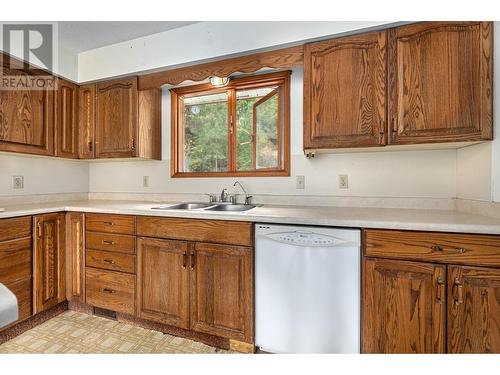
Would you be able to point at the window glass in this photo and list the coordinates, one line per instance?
(205, 133)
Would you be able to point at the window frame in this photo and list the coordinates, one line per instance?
(262, 80)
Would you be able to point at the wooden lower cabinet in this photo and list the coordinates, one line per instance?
(163, 281)
(473, 310)
(75, 248)
(48, 263)
(404, 307)
(221, 292)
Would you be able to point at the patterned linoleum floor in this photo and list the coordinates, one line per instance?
(73, 332)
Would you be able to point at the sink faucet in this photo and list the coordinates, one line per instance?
(247, 196)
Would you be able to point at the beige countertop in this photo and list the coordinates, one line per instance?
(356, 217)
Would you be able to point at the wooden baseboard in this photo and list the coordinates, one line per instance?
(241, 347)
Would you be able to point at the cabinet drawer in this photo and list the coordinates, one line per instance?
(110, 261)
(122, 224)
(110, 290)
(17, 227)
(216, 231)
(15, 260)
(110, 242)
(23, 291)
(434, 247)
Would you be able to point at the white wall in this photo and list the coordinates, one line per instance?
(43, 175)
(203, 41)
(374, 174)
(474, 172)
(495, 154)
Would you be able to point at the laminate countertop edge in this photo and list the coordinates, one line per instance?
(351, 217)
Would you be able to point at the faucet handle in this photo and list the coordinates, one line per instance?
(211, 198)
(248, 198)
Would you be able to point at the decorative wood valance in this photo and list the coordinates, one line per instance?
(278, 59)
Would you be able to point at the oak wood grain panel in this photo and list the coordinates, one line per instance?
(18, 227)
(108, 223)
(473, 310)
(86, 121)
(222, 291)
(26, 119)
(440, 82)
(218, 231)
(23, 289)
(48, 261)
(111, 242)
(66, 120)
(110, 290)
(149, 144)
(110, 261)
(75, 262)
(345, 92)
(163, 281)
(279, 59)
(403, 307)
(116, 130)
(16, 260)
(472, 249)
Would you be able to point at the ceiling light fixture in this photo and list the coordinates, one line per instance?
(219, 81)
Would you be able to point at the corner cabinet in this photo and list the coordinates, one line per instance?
(440, 82)
(345, 92)
(48, 261)
(66, 120)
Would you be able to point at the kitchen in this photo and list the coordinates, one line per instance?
(333, 189)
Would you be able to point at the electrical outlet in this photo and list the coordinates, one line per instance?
(145, 181)
(300, 182)
(18, 182)
(343, 181)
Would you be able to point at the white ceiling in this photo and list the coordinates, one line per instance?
(76, 37)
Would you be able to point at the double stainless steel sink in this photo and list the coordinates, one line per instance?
(222, 207)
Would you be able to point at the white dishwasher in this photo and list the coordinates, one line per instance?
(307, 289)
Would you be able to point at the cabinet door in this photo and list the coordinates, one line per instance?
(26, 119)
(116, 127)
(66, 110)
(75, 245)
(440, 82)
(473, 310)
(222, 290)
(48, 263)
(345, 91)
(162, 281)
(86, 120)
(403, 307)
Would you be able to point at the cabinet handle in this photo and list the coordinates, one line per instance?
(184, 260)
(457, 250)
(90, 146)
(108, 223)
(107, 290)
(382, 130)
(110, 261)
(459, 293)
(39, 229)
(441, 290)
(108, 242)
(133, 143)
(192, 260)
(394, 126)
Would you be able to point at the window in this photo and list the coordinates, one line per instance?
(241, 129)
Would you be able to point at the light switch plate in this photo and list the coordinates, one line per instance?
(343, 181)
(145, 181)
(300, 182)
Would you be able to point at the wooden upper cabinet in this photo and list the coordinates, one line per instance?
(163, 281)
(116, 131)
(48, 262)
(403, 307)
(66, 120)
(345, 92)
(473, 310)
(222, 290)
(26, 119)
(440, 82)
(86, 121)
